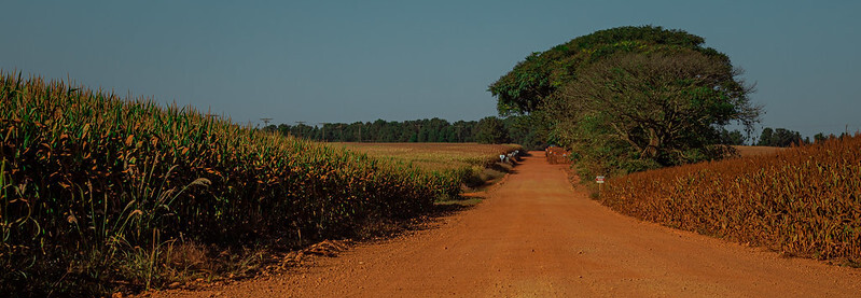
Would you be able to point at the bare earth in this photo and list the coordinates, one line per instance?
(536, 236)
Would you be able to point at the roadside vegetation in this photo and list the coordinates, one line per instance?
(99, 193)
(800, 201)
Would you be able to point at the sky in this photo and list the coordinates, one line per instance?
(347, 61)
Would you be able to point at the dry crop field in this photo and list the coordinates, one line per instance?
(745, 151)
(803, 201)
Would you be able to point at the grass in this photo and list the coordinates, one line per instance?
(470, 165)
(435, 156)
(466, 202)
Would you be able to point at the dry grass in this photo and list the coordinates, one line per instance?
(434, 156)
(465, 166)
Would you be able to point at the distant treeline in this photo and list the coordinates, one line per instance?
(492, 130)
(489, 130)
(425, 130)
(774, 137)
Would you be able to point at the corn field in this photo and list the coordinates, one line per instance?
(803, 201)
(87, 176)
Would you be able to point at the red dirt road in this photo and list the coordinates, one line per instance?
(536, 236)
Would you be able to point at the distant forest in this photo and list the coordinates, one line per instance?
(490, 130)
(426, 130)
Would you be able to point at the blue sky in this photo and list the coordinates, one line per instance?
(346, 61)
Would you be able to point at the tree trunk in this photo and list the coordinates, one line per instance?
(651, 150)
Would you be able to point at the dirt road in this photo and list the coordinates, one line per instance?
(535, 236)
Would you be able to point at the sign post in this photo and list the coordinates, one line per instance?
(600, 181)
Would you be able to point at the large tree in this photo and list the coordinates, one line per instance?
(631, 98)
(536, 80)
(665, 106)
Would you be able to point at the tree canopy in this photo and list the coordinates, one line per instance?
(630, 98)
(533, 81)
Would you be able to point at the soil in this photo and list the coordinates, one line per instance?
(535, 235)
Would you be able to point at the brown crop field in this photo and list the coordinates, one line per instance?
(745, 151)
(803, 201)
